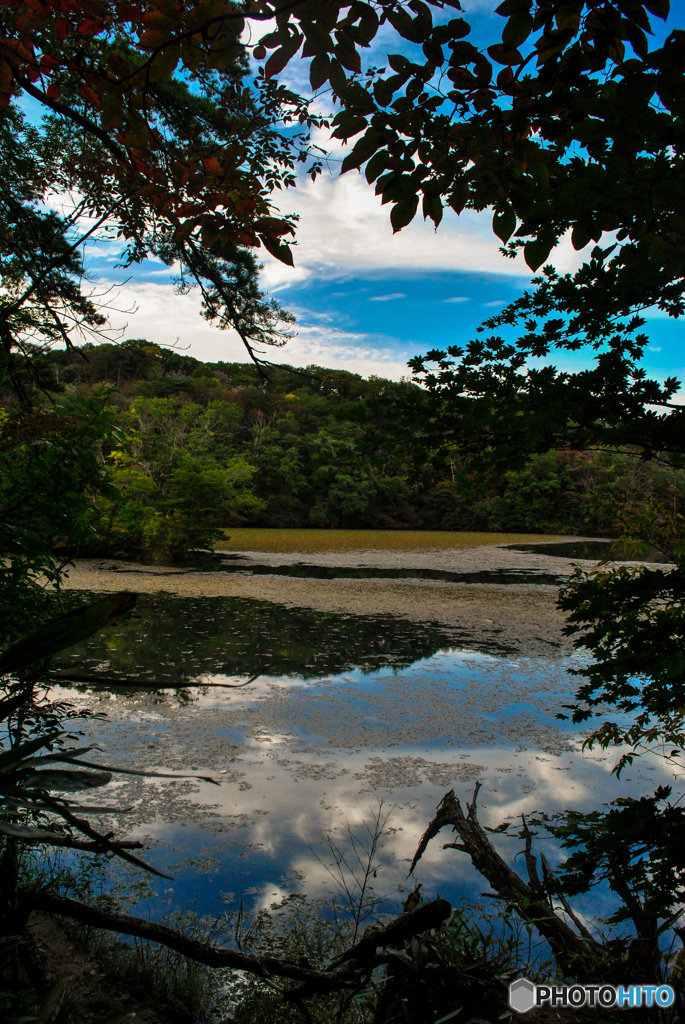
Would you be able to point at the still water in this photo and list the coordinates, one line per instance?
(343, 713)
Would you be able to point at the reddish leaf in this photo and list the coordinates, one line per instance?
(280, 250)
(212, 165)
(90, 27)
(280, 57)
(318, 70)
(505, 54)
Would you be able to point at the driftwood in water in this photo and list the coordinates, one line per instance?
(577, 953)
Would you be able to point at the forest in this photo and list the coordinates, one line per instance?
(190, 449)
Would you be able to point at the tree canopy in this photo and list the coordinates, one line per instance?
(569, 122)
(178, 164)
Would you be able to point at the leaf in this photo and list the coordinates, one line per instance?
(459, 195)
(209, 233)
(376, 165)
(432, 207)
(661, 8)
(337, 78)
(536, 252)
(403, 213)
(281, 57)
(580, 236)
(517, 30)
(318, 70)
(20, 751)
(64, 632)
(504, 222)
(363, 150)
(164, 63)
(505, 54)
(280, 250)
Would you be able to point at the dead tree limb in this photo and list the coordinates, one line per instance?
(578, 955)
(422, 919)
(339, 974)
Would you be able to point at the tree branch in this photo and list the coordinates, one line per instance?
(341, 972)
(575, 954)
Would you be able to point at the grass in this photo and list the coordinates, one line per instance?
(277, 540)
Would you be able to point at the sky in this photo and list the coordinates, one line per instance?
(365, 300)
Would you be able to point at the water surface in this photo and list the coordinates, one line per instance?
(344, 712)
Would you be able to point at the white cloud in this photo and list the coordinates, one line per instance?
(343, 229)
(458, 298)
(152, 310)
(496, 302)
(387, 298)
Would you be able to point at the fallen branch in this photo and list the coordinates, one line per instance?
(576, 955)
(422, 919)
(341, 972)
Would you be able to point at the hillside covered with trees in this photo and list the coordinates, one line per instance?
(191, 448)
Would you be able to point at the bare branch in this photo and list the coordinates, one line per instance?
(575, 954)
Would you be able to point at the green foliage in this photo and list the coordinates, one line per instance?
(51, 471)
(177, 481)
(200, 447)
(638, 847)
(633, 622)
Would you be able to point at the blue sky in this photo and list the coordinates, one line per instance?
(365, 300)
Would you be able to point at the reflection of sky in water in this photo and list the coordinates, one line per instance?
(299, 757)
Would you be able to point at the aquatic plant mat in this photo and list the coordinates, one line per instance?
(267, 539)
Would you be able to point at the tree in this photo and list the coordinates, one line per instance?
(165, 147)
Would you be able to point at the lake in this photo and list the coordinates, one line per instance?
(344, 712)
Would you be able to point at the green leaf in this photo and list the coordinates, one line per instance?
(164, 63)
(403, 213)
(432, 207)
(337, 77)
(64, 632)
(581, 236)
(20, 751)
(376, 165)
(459, 195)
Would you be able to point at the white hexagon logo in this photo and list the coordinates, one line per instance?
(522, 995)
